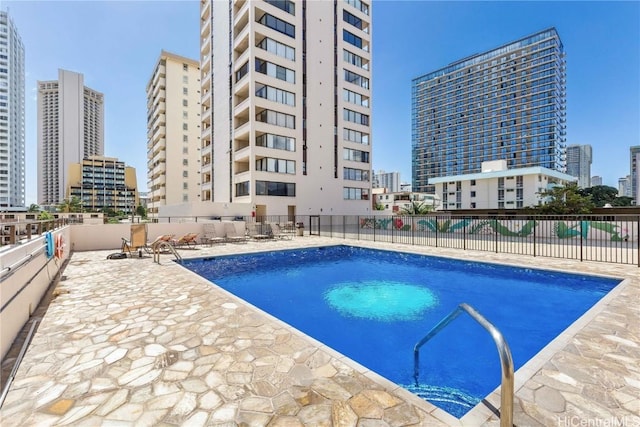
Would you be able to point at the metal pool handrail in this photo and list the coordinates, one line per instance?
(506, 362)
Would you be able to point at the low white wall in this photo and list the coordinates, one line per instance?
(109, 236)
(22, 287)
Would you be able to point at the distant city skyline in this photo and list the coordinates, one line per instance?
(116, 54)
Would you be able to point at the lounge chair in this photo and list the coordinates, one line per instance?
(161, 238)
(137, 241)
(277, 233)
(188, 239)
(211, 235)
(262, 234)
(232, 235)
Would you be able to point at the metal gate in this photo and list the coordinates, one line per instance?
(314, 225)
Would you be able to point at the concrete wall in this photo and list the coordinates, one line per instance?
(23, 286)
(109, 236)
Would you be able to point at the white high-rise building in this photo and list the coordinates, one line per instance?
(173, 132)
(70, 128)
(579, 159)
(286, 105)
(12, 145)
(596, 180)
(388, 180)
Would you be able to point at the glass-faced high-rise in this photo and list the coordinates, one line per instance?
(505, 104)
(12, 147)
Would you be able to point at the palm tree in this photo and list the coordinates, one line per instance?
(416, 208)
(73, 205)
(34, 208)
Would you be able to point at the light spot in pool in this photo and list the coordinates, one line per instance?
(380, 300)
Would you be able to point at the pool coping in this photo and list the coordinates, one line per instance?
(481, 413)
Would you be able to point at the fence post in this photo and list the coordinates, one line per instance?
(374, 228)
(638, 239)
(358, 226)
(580, 222)
(464, 234)
(393, 227)
(413, 231)
(534, 237)
(495, 232)
(436, 231)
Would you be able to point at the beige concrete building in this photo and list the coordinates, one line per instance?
(173, 132)
(286, 112)
(103, 182)
(70, 128)
(497, 187)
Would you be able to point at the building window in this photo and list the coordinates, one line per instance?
(185, 174)
(185, 103)
(355, 117)
(276, 71)
(275, 95)
(355, 136)
(354, 59)
(185, 126)
(473, 194)
(356, 79)
(473, 182)
(185, 67)
(355, 155)
(473, 205)
(268, 164)
(269, 188)
(278, 25)
(185, 138)
(185, 79)
(352, 39)
(349, 193)
(355, 98)
(242, 189)
(355, 174)
(185, 197)
(185, 162)
(185, 115)
(352, 19)
(286, 5)
(277, 118)
(277, 142)
(242, 71)
(360, 5)
(277, 48)
(185, 91)
(185, 185)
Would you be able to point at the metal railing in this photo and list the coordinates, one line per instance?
(604, 238)
(506, 361)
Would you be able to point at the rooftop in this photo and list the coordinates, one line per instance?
(132, 342)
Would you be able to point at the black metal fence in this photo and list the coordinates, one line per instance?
(604, 238)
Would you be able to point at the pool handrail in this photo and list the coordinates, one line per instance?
(506, 361)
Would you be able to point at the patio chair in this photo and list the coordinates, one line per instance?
(262, 234)
(277, 233)
(137, 240)
(161, 238)
(210, 235)
(232, 235)
(188, 240)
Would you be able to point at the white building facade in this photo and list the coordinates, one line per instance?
(70, 128)
(12, 136)
(286, 105)
(173, 132)
(387, 180)
(393, 203)
(624, 186)
(497, 187)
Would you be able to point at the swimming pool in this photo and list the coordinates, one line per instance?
(373, 306)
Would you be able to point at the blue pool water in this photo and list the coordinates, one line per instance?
(373, 306)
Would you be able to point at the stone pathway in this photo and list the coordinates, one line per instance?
(135, 343)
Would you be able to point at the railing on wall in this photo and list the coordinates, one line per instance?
(14, 232)
(614, 239)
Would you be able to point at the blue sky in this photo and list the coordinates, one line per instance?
(115, 44)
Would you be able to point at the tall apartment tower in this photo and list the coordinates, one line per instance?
(388, 180)
(579, 159)
(70, 128)
(173, 132)
(634, 172)
(286, 111)
(504, 104)
(12, 140)
(624, 186)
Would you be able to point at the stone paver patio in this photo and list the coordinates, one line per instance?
(130, 342)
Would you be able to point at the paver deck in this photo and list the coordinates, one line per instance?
(130, 342)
